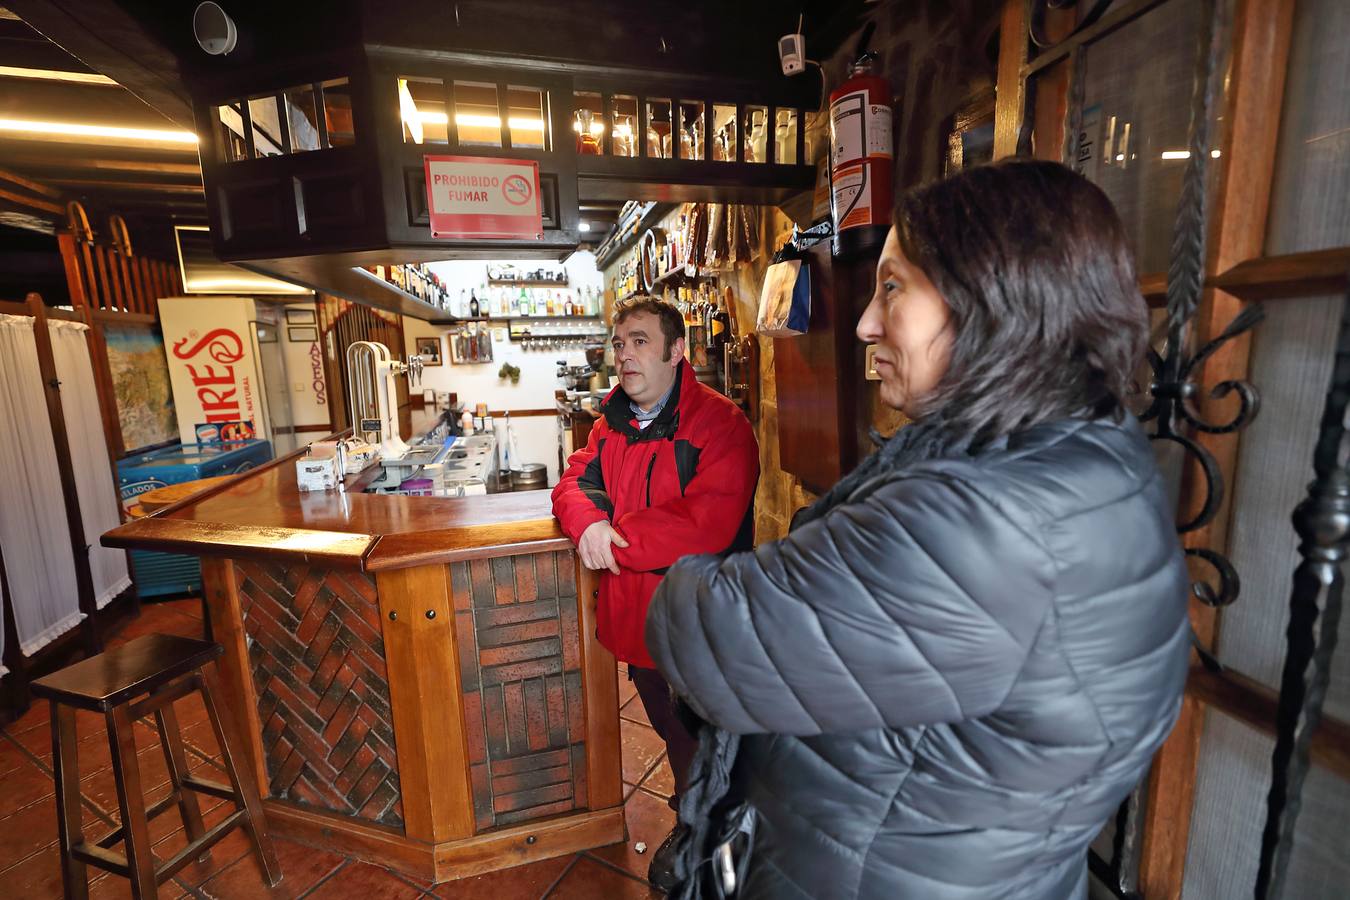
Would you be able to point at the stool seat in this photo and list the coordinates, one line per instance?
(123, 673)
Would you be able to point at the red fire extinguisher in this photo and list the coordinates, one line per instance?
(861, 159)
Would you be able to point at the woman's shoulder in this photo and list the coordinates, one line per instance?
(1067, 466)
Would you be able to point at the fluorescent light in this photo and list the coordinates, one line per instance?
(1120, 157)
(55, 75)
(584, 226)
(109, 132)
(408, 111)
(1186, 154)
(440, 118)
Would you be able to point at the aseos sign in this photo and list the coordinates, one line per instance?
(477, 197)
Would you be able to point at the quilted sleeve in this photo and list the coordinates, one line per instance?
(915, 606)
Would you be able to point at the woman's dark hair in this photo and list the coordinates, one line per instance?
(1047, 319)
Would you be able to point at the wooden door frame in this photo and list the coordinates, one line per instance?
(1236, 274)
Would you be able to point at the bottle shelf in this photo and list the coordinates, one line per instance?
(455, 320)
(526, 283)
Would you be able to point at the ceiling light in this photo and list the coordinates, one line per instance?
(108, 132)
(1185, 154)
(56, 75)
(440, 118)
(584, 226)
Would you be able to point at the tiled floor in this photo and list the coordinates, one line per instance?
(29, 865)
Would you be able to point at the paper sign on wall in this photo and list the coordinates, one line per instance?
(478, 197)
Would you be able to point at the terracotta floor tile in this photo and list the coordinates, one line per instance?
(101, 787)
(301, 869)
(38, 716)
(649, 820)
(366, 882)
(231, 849)
(38, 877)
(27, 830)
(12, 756)
(628, 790)
(642, 747)
(527, 882)
(94, 751)
(112, 887)
(23, 786)
(661, 780)
(592, 880)
(634, 711)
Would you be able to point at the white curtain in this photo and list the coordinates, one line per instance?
(99, 509)
(33, 534)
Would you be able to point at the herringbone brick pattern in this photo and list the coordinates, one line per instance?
(522, 685)
(317, 656)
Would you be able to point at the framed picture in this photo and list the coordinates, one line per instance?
(300, 316)
(429, 348)
(302, 335)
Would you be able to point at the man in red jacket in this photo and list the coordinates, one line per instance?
(669, 471)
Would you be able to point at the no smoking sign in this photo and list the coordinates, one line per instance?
(479, 197)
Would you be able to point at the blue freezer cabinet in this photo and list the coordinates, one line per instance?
(171, 573)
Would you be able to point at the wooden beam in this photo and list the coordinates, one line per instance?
(1292, 275)
(1252, 702)
(31, 203)
(29, 184)
(1261, 36)
(95, 185)
(107, 38)
(1010, 105)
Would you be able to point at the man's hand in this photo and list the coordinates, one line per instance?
(597, 546)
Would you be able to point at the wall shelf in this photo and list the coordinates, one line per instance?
(451, 320)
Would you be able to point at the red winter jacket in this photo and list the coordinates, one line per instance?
(683, 485)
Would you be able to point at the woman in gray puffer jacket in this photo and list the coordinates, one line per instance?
(962, 658)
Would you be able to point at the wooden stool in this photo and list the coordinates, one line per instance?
(147, 675)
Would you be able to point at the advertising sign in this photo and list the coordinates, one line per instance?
(478, 197)
(212, 365)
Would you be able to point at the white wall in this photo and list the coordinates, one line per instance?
(304, 369)
(537, 437)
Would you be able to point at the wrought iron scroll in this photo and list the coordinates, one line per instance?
(1322, 521)
(1175, 391)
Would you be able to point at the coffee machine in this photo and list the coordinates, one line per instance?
(597, 383)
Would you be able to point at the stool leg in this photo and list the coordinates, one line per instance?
(171, 739)
(74, 874)
(241, 776)
(127, 776)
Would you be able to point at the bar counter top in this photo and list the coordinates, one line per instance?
(262, 513)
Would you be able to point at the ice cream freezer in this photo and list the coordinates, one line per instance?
(169, 573)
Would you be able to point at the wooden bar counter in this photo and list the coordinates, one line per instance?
(417, 678)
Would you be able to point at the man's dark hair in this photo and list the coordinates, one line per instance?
(670, 317)
(1046, 316)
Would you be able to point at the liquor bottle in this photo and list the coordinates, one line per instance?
(568, 309)
(462, 307)
(521, 305)
(484, 302)
(551, 306)
(540, 303)
(473, 305)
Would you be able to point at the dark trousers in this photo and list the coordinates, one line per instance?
(659, 703)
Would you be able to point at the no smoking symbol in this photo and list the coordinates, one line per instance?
(517, 190)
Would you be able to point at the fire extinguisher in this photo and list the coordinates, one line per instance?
(861, 158)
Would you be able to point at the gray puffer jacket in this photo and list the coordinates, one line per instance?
(949, 682)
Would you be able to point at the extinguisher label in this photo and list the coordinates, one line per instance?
(852, 197)
(859, 129)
